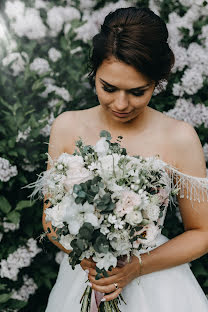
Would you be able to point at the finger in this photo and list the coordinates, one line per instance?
(104, 289)
(113, 295)
(92, 272)
(104, 281)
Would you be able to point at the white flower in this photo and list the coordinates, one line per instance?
(7, 171)
(66, 240)
(54, 54)
(56, 215)
(91, 218)
(28, 288)
(101, 147)
(57, 16)
(151, 212)
(149, 232)
(105, 260)
(60, 91)
(25, 21)
(127, 202)
(19, 62)
(205, 148)
(119, 240)
(8, 226)
(76, 176)
(134, 217)
(194, 114)
(75, 224)
(40, 66)
(23, 135)
(104, 229)
(20, 258)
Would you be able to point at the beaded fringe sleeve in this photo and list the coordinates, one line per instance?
(190, 187)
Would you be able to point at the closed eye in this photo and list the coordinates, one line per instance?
(111, 90)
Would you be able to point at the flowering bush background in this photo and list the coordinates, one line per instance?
(44, 49)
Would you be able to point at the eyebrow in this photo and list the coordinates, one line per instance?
(132, 89)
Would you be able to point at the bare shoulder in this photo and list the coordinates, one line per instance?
(189, 152)
(61, 133)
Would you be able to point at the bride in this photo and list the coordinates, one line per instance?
(130, 58)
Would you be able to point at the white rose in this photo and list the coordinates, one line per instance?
(134, 217)
(66, 240)
(101, 147)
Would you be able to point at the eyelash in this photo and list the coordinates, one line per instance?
(113, 90)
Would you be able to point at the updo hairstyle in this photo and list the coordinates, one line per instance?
(136, 36)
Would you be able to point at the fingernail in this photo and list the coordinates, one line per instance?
(87, 271)
(103, 299)
(89, 284)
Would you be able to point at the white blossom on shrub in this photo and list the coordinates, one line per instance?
(54, 54)
(9, 226)
(28, 288)
(50, 87)
(25, 21)
(21, 258)
(40, 65)
(95, 18)
(45, 131)
(41, 4)
(18, 62)
(185, 110)
(23, 135)
(7, 171)
(27, 166)
(58, 15)
(205, 148)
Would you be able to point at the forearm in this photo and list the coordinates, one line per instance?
(50, 237)
(183, 248)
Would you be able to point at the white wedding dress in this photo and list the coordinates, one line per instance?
(170, 290)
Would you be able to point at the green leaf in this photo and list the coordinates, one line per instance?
(105, 134)
(14, 217)
(4, 205)
(24, 204)
(5, 297)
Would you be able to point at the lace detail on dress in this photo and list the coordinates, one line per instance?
(193, 188)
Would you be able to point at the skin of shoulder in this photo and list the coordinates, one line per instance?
(189, 152)
(61, 133)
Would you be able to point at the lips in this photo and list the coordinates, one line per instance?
(120, 114)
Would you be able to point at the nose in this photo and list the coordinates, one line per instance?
(121, 101)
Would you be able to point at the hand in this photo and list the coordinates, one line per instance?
(120, 276)
(86, 264)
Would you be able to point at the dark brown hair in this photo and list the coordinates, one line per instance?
(136, 36)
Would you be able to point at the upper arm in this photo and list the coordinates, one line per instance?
(191, 161)
(61, 132)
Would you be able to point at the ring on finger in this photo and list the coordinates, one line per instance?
(116, 285)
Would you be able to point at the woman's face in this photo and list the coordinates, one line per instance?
(122, 91)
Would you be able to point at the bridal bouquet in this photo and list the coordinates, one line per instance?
(104, 204)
